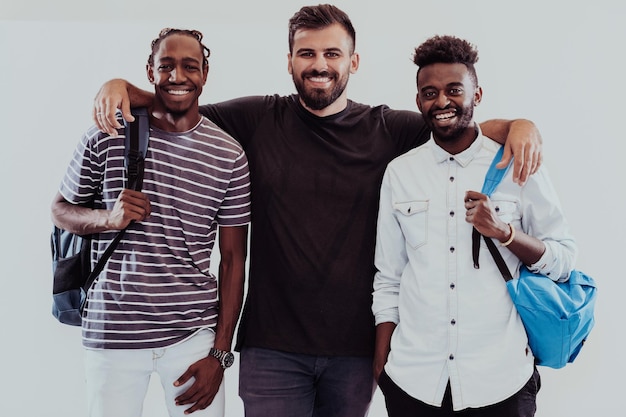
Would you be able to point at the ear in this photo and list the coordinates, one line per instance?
(354, 63)
(150, 72)
(205, 74)
(478, 95)
(417, 100)
(289, 64)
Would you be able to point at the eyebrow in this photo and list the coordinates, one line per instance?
(454, 84)
(186, 59)
(333, 49)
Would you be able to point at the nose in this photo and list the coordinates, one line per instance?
(177, 75)
(442, 100)
(320, 63)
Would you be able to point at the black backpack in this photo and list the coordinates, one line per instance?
(71, 253)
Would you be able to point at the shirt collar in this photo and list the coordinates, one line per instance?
(462, 158)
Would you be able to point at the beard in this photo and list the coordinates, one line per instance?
(319, 98)
(464, 117)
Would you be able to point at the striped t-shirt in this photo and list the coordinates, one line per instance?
(157, 288)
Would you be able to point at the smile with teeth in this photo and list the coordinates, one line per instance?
(320, 79)
(445, 116)
(178, 92)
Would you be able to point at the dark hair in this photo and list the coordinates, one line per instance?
(448, 50)
(318, 17)
(164, 33)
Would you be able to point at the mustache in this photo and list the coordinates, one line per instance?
(458, 110)
(316, 73)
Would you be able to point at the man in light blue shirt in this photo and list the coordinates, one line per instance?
(448, 335)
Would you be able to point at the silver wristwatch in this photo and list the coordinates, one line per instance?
(226, 358)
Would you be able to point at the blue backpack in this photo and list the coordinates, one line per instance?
(558, 316)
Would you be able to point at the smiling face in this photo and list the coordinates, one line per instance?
(178, 75)
(446, 96)
(320, 63)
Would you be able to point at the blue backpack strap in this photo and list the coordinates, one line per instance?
(492, 180)
(494, 175)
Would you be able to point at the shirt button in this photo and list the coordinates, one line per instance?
(451, 249)
(451, 357)
(452, 158)
(452, 286)
(453, 322)
(452, 213)
(451, 179)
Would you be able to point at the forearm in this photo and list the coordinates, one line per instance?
(527, 248)
(500, 129)
(231, 286)
(139, 97)
(78, 219)
(383, 346)
(383, 340)
(231, 278)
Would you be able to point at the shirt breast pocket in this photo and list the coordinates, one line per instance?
(413, 216)
(507, 211)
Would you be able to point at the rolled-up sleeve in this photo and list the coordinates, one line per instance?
(544, 219)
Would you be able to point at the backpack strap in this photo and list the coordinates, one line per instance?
(492, 180)
(136, 147)
(494, 175)
(137, 135)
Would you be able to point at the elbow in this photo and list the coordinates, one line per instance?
(57, 208)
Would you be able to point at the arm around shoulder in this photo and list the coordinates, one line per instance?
(521, 140)
(118, 94)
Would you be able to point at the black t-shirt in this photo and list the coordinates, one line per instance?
(315, 190)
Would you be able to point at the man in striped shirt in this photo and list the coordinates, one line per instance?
(157, 306)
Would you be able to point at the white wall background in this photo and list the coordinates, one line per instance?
(558, 63)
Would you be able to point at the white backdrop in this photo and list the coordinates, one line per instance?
(557, 63)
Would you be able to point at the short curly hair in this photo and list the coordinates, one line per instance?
(448, 50)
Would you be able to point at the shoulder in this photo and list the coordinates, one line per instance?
(414, 158)
(246, 103)
(215, 135)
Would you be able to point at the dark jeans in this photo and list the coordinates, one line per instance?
(400, 404)
(279, 384)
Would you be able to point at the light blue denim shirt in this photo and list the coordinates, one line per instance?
(454, 322)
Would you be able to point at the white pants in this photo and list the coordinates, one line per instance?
(118, 379)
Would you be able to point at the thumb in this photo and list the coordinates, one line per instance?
(507, 155)
(126, 113)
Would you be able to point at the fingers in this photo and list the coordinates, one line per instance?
(104, 115)
(471, 197)
(207, 376)
(506, 157)
(112, 96)
(183, 378)
(130, 206)
(193, 395)
(537, 160)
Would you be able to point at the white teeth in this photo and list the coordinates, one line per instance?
(444, 116)
(319, 79)
(178, 92)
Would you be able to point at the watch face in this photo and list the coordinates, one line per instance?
(228, 360)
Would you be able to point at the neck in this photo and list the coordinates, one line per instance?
(174, 122)
(458, 143)
(335, 107)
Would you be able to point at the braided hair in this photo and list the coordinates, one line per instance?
(197, 35)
